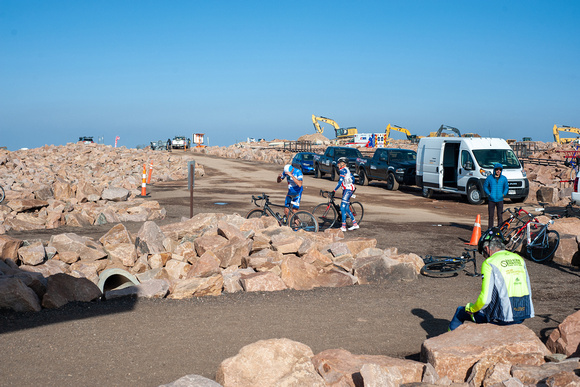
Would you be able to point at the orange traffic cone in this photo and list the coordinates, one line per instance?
(476, 234)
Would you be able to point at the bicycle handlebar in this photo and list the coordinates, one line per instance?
(326, 194)
(256, 198)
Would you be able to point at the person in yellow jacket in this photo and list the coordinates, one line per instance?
(506, 294)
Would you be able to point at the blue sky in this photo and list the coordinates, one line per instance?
(149, 70)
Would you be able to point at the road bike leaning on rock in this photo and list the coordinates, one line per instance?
(445, 266)
(327, 213)
(540, 244)
(299, 220)
(513, 228)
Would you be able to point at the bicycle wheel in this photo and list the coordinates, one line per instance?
(358, 211)
(2, 194)
(543, 246)
(447, 266)
(303, 220)
(256, 214)
(325, 215)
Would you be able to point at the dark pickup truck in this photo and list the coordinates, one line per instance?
(326, 163)
(395, 166)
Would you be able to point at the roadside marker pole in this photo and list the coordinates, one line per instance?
(191, 184)
(150, 172)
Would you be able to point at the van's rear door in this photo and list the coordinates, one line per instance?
(432, 164)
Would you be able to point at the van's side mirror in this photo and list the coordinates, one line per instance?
(468, 166)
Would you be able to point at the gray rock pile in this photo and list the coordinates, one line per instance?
(472, 355)
(81, 184)
(202, 256)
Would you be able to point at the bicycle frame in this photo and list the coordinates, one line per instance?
(542, 232)
(330, 196)
(520, 219)
(267, 207)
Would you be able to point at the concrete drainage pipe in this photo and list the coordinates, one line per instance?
(114, 279)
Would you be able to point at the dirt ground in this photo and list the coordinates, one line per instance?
(151, 342)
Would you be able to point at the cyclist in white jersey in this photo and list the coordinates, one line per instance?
(294, 177)
(346, 181)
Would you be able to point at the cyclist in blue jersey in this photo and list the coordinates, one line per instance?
(346, 181)
(294, 177)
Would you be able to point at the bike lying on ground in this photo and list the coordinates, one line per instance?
(444, 266)
(327, 213)
(299, 220)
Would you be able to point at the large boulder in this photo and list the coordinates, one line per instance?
(63, 288)
(149, 239)
(454, 353)
(15, 295)
(266, 363)
(339, 367)
(9, 247)
(84, 246)
(565, 338)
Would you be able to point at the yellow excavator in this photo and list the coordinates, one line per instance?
(411, 137)
(342, 133)
(564, 140)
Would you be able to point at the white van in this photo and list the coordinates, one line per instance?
(461, 165)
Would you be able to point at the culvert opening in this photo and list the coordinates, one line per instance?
(113, 279)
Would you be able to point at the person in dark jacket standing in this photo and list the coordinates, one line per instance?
(496, 187)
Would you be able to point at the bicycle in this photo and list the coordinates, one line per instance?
(542, 244)
(513, 229)
(327, 213)
(299, 220)
(2, 194)
(443, 266)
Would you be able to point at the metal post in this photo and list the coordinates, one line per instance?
(191, 183)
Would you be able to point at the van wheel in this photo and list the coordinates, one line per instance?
(474, 195)
(392, 184)
(426, 192)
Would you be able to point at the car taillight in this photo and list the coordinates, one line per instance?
(576, 185)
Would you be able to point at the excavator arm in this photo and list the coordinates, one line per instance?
(319, 129)
(411, 137)
(449, 128)
(398, 129)
(564, 140)
(339, 132)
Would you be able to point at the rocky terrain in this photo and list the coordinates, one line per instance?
(215, 253)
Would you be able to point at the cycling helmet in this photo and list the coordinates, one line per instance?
(287, 168)
(342, 160)
(487, 236)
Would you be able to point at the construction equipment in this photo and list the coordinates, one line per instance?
(564, 140)
(411, 137)
(341, 133)
(446, 127)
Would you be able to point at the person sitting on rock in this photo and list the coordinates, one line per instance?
(506, 295)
